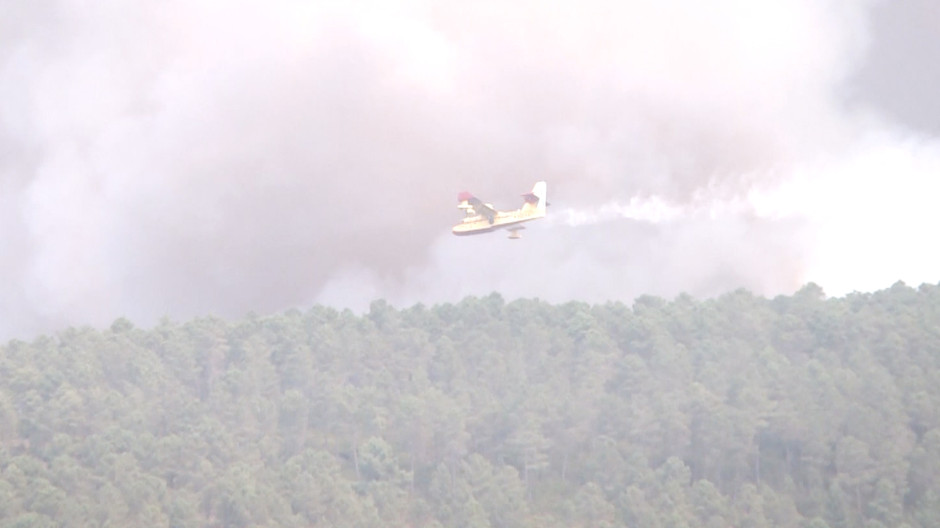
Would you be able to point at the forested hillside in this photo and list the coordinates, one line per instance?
(740, 411)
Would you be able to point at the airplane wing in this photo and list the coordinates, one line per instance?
(480, 208)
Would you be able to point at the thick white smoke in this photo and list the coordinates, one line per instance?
(201, 157)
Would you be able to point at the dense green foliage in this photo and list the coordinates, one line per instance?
(739, 411)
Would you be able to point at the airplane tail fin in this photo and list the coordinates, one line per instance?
(536, 200)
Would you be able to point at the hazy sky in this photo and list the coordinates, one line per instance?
(179, 158)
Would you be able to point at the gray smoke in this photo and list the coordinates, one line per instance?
(184, 158)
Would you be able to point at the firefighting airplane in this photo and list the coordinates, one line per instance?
(483, 217)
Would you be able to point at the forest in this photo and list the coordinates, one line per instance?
(737, 411)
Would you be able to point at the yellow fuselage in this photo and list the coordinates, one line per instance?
(477, 224)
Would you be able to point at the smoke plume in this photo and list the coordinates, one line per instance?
(183, 158)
